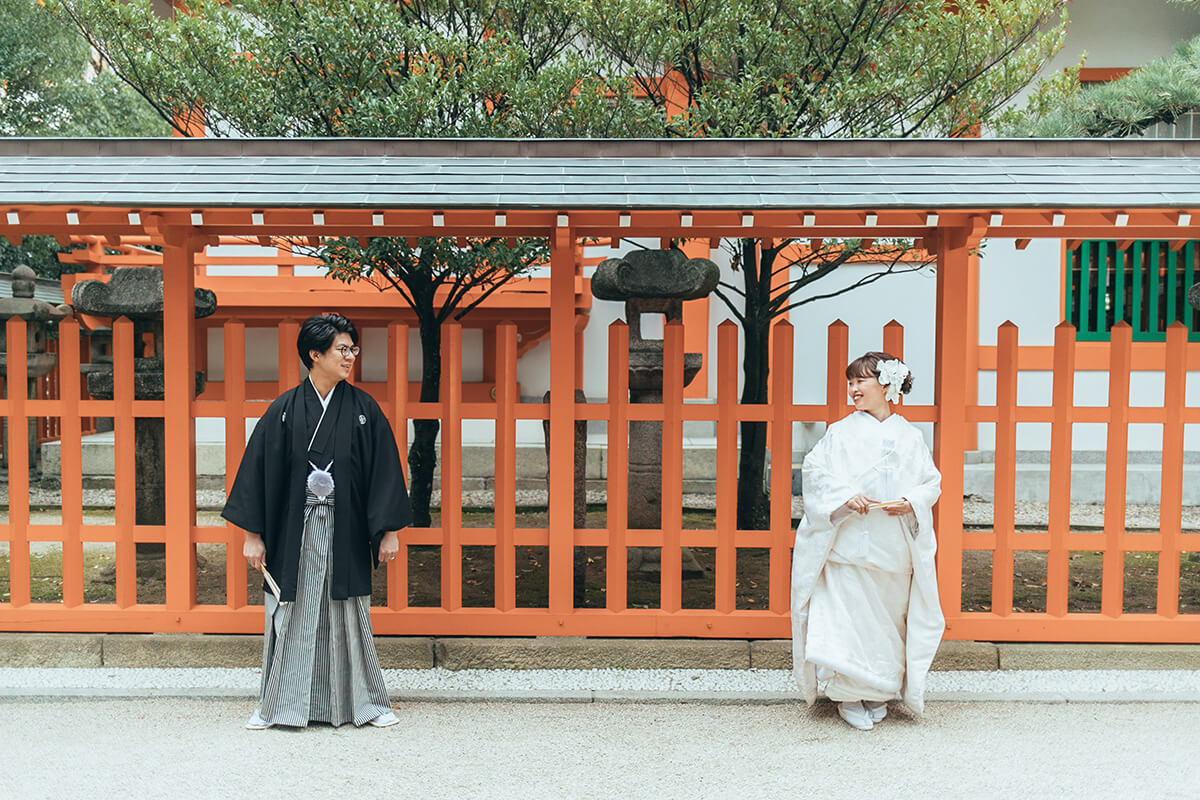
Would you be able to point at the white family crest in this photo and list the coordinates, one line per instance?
(362, 419)
(892, 374)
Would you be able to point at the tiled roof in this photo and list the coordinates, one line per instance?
(636, 175)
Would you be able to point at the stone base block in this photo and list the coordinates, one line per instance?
(1099, 656)
(552, 652)
(953, 655)
(51, 650)
(771, 654)
(182, 650)
(404, 652)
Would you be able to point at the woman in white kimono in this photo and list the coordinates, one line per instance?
(865, 615)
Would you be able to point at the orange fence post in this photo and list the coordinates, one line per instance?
(1004, 469)
(837, 357)
(71, 464)
(725, 579)
(18, 464)
(562, 421)
(671, 521)
(780, 558)
(289, 359)
(451, 504)
(1112, 581)
(893, 342)
(505, 473)
(179, 435)
(124, 463)
(971, 376)
(1171, 500)
(234, 336)
(950, 396)
(397, 390)
(1057, 568)
(617, 472)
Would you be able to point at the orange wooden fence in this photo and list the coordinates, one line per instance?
(509, 532)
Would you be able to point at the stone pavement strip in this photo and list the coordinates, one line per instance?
(559, 652)
(197, 748)
(711, 686)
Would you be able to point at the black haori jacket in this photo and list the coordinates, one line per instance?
(267, 497)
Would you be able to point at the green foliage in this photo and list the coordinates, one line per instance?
(420, 268)
(555, 68)
(40, 253)
(494, 68)
(50, 86)
(1160, 91)
(827, 68)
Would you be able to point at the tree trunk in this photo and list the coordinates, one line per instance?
(422, 454)
(753, 508)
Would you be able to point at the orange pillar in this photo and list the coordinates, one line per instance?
(972, 438)
(562, 420)
(695, 325)
(179, 370)
(951, 396)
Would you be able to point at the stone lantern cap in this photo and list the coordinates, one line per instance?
(22, 303)
(655, 274)
(133, 292)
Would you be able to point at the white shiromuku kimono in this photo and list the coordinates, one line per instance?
(865, 616)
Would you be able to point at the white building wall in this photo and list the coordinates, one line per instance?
(1124, 33)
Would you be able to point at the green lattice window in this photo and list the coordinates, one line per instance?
(1146, 285)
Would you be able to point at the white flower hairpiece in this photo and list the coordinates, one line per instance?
(892, 375)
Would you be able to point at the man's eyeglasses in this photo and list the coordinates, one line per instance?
(344, 351)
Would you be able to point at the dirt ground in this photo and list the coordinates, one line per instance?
(643, 584)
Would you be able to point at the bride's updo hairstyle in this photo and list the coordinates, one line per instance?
(867, 366)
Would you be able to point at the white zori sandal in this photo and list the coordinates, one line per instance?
(876, 708)
(386, 719)
(257, 723)
(855, 715)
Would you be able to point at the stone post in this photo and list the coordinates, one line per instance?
(136, 293)
(651, 282)
(38, 315)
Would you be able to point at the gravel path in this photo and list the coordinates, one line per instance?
(675, 685)
(168, 747)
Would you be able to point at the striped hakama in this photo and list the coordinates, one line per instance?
(319, 660)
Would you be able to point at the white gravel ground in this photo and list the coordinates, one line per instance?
(681, 685)
(186, 748)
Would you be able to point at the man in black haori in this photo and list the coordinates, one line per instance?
(322, 439)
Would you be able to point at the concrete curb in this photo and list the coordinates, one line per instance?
(557, 696)
(548, 652)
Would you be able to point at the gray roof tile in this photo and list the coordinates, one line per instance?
(919, 175)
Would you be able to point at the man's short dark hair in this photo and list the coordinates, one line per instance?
(318, 332)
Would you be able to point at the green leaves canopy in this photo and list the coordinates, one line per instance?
(434, 275)
(49, 85)
(555, 68)
(480, 68)
(828, 68)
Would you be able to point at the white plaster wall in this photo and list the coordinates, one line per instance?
(242, 250)
(262, 354)
(1124, 33)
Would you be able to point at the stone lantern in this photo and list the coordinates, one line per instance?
(137, 293)
(38, 315)
(652, 281)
